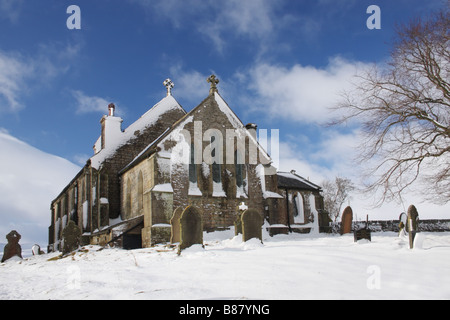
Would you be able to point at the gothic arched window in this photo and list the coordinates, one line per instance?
(192, 166)
(140, 191)
(239, 166)
(128, 198)
(299, 215)
(215, 166)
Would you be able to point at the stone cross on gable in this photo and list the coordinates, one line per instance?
(214, 81)
(169, 85)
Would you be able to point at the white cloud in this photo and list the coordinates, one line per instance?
(252, 19)
(87, 104)
(189, 85)
(14, 71)
(301, 93)
(10, 9)
(21, 74)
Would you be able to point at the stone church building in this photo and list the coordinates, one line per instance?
(129, 190)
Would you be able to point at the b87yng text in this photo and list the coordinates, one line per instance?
(243, 309)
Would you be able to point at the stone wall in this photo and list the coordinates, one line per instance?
(99, 193)
(430, 225)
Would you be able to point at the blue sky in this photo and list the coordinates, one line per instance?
(280, 63)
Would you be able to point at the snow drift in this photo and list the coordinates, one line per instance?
(29, 180)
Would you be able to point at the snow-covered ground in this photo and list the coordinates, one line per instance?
(283, 267)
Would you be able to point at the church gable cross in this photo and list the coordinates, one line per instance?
(169, 85)
(214, 81)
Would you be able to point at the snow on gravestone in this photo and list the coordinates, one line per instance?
(252, 222)
(347, 218)
(191, 228)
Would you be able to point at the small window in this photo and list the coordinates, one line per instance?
(215, 166)
(239, 169)
(299, 215)
(128, 198)
(192, 166)
(140, 191)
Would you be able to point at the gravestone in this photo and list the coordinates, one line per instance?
(252, 222)
(175, 225)
(71, 237)
(347, 219)
(363, 233)
(13, 247)
(412, 224)
(36, 250)
(191, 228)
(238, 224)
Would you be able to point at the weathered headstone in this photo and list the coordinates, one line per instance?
(252, 222)
(324, 221)
(71, 237)
(238, 225)
(191, 228)
(412, 224)
(13, 247)
(36, 250)
(363, 233)
(347, 219)
(175, 225)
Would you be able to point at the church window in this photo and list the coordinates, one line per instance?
(128, 198)
(140, 191)
(299, 216)
(239, 169)
(215, 166)
(192, 166)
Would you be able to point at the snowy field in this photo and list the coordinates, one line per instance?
(283, 267)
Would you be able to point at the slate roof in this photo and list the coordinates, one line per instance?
(289, 180)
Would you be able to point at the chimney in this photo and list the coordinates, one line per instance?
(111, 108)
(111, 127)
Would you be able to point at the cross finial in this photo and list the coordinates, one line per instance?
(169, 85)
(243, 206)
(214, 81)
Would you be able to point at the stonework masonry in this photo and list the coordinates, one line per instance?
(127, 195)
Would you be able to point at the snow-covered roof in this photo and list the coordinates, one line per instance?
(148, 119)
(176, 128)
(293, 180)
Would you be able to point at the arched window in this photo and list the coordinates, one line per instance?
(215, 166)
(128, 199)
(192, 166)
(140, 195)
(299, 213)
(239, 166)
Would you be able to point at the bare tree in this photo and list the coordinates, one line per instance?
(404, 112)
(335, 193)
